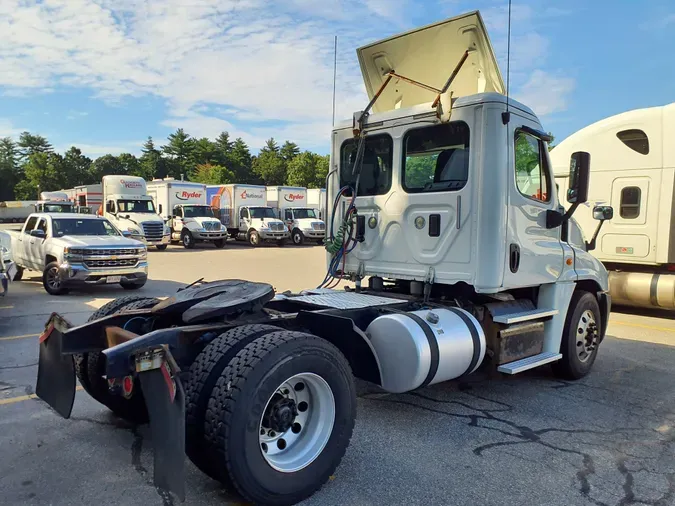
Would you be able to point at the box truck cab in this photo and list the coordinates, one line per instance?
(291, 206)
(182, 205)
(244, 211)
(129, 207)
(316, 199)
(54, 202)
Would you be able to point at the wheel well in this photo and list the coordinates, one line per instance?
(588, 285)
(50, 259)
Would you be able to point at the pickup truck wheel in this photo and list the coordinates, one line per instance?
(187, 240)
(581, 337)
(281, 416)
(161, 247)
(132, 409)
(19, 274)
(298, 237)
(254, 238)
(202, 377)
(51, 280)
(219, 243)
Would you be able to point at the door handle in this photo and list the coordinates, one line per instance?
(514, 257)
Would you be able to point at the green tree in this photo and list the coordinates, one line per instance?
(205, 152)
(223, 149)
(30, 144)
(322, 166)
(151, 163)
(75, 169)
(241, 163)
(269, 164)
(213, 174)
(308, 169)
(130, 164)
(10, 171)
(105, 165)
(551, 143)
(179, 152)
(289, 151)
(419, 170)
(41, 173)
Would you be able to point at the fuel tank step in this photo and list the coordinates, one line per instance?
(529, 363)
(524, 316)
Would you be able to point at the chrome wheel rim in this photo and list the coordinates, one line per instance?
(297, 238)
(297, 422)
(587, 336)
(254, 239)
(53, 278)
(186, 239)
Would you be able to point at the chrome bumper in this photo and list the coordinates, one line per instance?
(165, 240)
(274, 236)
(209, 236)
(75, 273)
(314, 234)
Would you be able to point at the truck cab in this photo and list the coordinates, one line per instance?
(260, 224)
(303, 224)
(54, 202)
(128, 206)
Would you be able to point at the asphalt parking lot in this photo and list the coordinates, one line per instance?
(531, 439)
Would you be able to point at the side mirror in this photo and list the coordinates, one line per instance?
(38, 233)
(603, 213)
(580, 174)
(126, 233)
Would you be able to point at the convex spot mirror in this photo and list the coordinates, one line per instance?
(603, 213)
(579, 177)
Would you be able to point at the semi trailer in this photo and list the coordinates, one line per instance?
(634, 171)
(472, 263)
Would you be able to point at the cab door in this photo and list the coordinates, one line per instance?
(34, 251)
(244, 220)
(534, 253)
(23, 243)
(177, 219)
(288, 219)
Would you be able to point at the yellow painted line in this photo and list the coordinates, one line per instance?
(640, 326)
(11, 338)
(6, 307)
(22, 398)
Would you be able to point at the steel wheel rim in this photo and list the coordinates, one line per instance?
(308, 431)
(296, 238)
(586, 336)
(186, 239)
(53, 278)
(254, 239)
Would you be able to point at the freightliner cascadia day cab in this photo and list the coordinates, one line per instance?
(633, 170)
(183, 206)
(441, 193)
(128, 206)
(290, 204)
(316, 199)
(243, 209)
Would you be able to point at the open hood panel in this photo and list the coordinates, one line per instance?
(429, 55)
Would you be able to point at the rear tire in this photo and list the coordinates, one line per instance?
(203, 374)
(581, 337)
(90, 367)
(249, 396)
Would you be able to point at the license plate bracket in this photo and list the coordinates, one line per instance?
(113, 279)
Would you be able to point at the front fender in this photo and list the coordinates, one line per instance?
(589, 268)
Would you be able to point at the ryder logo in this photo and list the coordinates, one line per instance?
(186, 195)
(247, 195)
(292, 197)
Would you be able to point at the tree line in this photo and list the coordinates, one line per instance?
(30, 165)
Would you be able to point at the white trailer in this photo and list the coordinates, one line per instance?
(182, 205)
(55, 202)
(633, 170)
(302, 221)
(316, 199)
(129, 207)
(89, 198)
(243, 209)
(16, 211)
(444, 199)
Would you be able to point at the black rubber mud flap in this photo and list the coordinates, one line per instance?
(165, 401)
(56, 372)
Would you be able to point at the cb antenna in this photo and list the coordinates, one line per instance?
(334, 76)
(507, 115)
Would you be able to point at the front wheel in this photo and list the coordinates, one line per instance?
(161, 247)
(51, 280)
(298, 237)
(581, 337)
(187, 240)
(254, 238)
(281, 417)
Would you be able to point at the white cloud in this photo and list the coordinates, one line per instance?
(76, 114)
(96, 150)
(545, 93)
(7, 128)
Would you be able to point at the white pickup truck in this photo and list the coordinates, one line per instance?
(75, 249)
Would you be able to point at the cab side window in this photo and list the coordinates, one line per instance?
(243, 214)
(531, 163)
(30, 225)
(289, 215)
(110, 206)
(42, 225)
(178, 211)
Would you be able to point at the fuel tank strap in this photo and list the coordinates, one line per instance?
(433, 347)
(474, 337)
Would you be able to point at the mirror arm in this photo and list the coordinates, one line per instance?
(590, 245)
(555, 218)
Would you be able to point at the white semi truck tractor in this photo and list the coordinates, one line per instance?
(128, 206)
(291, 206)
(244, 210)
(182, 205)
(633, 170)
(54, 202)
(441, 195)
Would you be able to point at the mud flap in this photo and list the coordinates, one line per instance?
(165, 401)
(56, 372)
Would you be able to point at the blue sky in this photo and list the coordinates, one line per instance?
(105, 74)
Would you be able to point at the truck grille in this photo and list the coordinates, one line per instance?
(102, 264)
(109, 252)
(318, 226)
(153, 231)
(276, 227)
(212, 225)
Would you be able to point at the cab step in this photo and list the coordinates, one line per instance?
(524, 316)
(529, 363)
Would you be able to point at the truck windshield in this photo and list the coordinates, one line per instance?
(198, 212)
(74, 226)
(262, 212)
(135, 206)
(58, 208)
(300, 214)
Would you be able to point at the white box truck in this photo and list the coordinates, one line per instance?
(129, 207)
(633, 170)
(182, 205)
(243, 209)
(290, 204)
(316, 199)
(452, 215)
